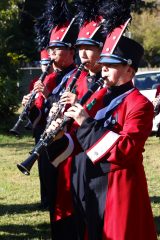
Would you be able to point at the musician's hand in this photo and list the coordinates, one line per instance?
(53, 126)
(25, 99)
(54, 109)
(68, 98)
(155, 101)
(78, 113)
(40, 87)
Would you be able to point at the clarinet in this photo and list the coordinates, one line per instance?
(26, 166)
(70, 88)
(24, 114)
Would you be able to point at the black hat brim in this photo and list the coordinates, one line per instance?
(59, 44)
(44, 62)
(112, 59)
(86, 41)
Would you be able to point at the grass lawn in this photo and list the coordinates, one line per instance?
(19, 194)
(20, 217)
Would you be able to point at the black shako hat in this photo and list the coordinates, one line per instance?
(90, 22)
(127, 51)
(90, 34)
(64, 35)
(56, 27)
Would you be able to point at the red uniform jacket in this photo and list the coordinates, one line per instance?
(35, 114)
(31, 85)
(50, 83)
(128, 214)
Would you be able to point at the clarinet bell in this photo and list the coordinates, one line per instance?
(23, 169)
(16, 128)
(14, 132)
(26, 166)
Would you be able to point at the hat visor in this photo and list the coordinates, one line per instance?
(86, 41)
(44, 62)
(58, 44)
(111, 60)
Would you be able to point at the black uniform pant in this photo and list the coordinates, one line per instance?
(89, 187)
(158, 131)
(47, 174)
(64, 229)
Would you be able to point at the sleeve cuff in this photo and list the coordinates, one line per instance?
(66, 153)
(102, 146)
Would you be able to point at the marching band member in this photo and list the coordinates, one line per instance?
(60, 49)
(37, 119)
(35, 114)
(108, 178)
(89, 47)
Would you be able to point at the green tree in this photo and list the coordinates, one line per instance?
(10, 58)
(148, 5)
(145, 29)
(29, 11)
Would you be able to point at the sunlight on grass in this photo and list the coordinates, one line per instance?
(152, 169)
(19, 194)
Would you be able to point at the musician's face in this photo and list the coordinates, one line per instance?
(89, 55)
(116, 74)
(61, 55)
(44, 66)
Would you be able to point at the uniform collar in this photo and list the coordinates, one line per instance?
(93, 78)
(115, 91)
(122, 88)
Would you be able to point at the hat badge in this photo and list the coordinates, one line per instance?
(129, 61)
